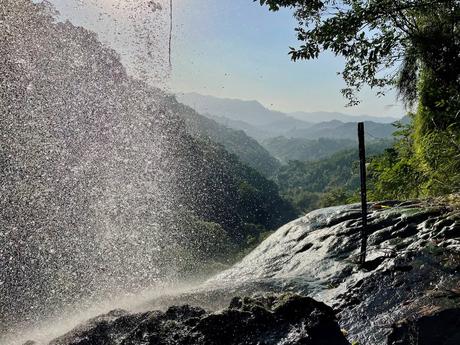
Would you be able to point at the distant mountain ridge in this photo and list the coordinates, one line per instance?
(262, 123)
(248, 150)
(249, 116)
(251, 112)
(338, 130)
(252, 131)
(322, 116)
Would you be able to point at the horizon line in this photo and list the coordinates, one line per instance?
(284, 112)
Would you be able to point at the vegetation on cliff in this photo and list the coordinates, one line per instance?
(326, 182)
(413, 46)
(96, 164)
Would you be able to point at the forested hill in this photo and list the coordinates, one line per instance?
(340, 130)
(300, 149)
(108, 153)
(248, 150)
(326, 182)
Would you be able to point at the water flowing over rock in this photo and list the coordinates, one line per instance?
(412, 267)
(410, 283)
(105, 192)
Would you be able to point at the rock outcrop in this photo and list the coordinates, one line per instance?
(412, 267)
(283, 319)
(408, 292)
(440, 328)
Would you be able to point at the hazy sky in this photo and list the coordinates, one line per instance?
(238, 49)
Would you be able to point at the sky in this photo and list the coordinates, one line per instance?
(235, 49)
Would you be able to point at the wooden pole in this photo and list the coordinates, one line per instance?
(170, 31)
(362, 170)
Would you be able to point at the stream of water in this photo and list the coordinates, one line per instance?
(91, 160)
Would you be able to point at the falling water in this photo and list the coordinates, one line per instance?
(139, 30)
(93, 161)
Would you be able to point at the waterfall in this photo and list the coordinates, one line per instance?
(92, 177)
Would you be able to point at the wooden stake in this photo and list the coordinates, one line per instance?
(362, 170)
(170, 31)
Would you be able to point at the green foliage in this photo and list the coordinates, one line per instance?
(335, 196)
(248, 150)
(413, 45)
(320, 175)
(303, 200)
(232, 194)
(211, 250)
(210, 241)
(259, 201)
(436, 133)
(393, 174)
(440, 162)
(428, 167)
(256, 234)
(301, 149)
(328, 182)
(375, 36)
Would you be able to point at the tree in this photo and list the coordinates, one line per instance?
(385, 43)
(413, 45)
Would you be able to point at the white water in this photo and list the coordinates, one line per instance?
(91, 159)
(67, 319)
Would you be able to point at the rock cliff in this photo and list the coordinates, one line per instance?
(408, 292)
(411, 272)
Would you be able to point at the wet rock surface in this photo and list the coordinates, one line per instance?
(283, 319)
(408, 289)
(440, 328)
(412, 267)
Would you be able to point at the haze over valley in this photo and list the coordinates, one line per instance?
(296, 136)
(261, 123)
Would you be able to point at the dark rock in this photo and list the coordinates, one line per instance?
(440, 328)
(304, 248)
(270, 319)
(413, 256)
(371, 265)
(412, 272)
(102, 330)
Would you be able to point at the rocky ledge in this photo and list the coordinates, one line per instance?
(283, 319)
(411, 276)
(408, 292)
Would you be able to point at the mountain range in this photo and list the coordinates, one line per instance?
(321, 116)
(249, 116)
(237, 142)
(339, 130)
(261, 123)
